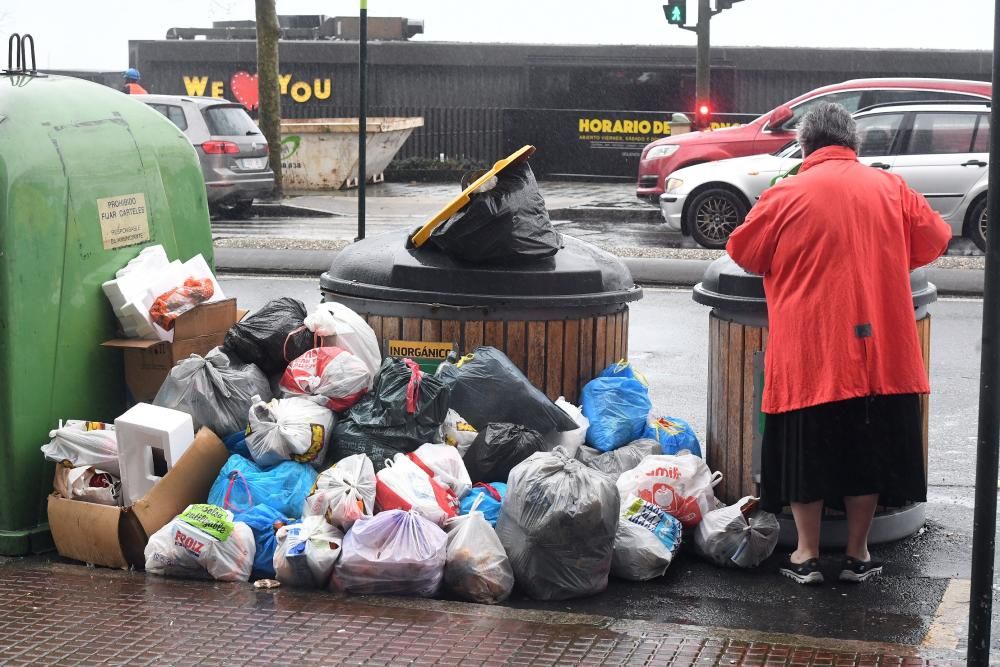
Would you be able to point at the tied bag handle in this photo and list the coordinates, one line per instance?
(413, 388)
(284, 348)
(226, 504)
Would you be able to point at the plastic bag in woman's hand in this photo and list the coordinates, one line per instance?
(392, 553)
(271, 336)
(215, 390)
(477, 568)
(617, 408)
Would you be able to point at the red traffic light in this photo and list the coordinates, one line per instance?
(703, 110)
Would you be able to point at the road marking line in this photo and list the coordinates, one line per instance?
(951, 616)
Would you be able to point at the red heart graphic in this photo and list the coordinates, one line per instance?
(244, 87)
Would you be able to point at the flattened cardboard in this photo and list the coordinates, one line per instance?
(117, 536)
(148, 362)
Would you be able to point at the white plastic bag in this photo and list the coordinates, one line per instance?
(307, 552)
(681, 484)
(340, 326)
(344, 493)
(403, 485)
(88, 484)
(457, 432)
(477, 568)
(84, 443)
(445, 463)
(289, 429)
(202, 541)
(571, 440)
(646, 541)
(392, 553)
(740, 535)
(329, 376)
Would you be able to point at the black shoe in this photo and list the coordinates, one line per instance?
(803, 573)
(856, 571)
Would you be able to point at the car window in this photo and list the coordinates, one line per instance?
(877, 133)
(790, 150)
(174, 113)
(898, 96)
(229, 122)
(849, 99)
(982, 141)
(941, 133)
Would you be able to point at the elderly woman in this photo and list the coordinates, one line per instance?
(843, 369)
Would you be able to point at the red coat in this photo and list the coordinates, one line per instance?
(835, 245)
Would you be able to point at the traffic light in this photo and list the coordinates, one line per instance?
(703, 115)
(676, 12)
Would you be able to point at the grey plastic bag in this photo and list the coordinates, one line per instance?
(740, 535)
(558, 525)
(619, 460)
(216, 391)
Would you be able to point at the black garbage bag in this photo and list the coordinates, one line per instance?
(272, 336)
(498, 448)
(403, 410)
(487, 386)
(507, 224)
(619, 460)
(557, 525)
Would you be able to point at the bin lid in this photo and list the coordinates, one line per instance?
(729, 288)
(382, 267)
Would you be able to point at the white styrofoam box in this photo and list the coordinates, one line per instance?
(136, 315)
(150, 258)
(142, 429)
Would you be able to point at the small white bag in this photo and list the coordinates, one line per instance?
(88, 484)
(740, 535)
(477, 567)
(681, 484)
(306, 553)
(646, 541)
(293, 429)
(344, 492)
(571, 440)
(457, 432)
(84, 443)
(202, 541)
(341, 327)
(446, 464)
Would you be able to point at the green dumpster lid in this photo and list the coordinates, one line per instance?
(382, 267)
(729, 288)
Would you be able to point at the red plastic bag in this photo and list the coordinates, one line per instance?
(170, 305)
(403, 485)
(332, 376)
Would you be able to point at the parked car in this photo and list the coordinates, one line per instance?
(230, 146)
(776, 128)
(942, 151)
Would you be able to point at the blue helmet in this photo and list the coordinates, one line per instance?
(131, 74)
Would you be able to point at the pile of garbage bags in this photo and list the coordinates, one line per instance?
(368, 475)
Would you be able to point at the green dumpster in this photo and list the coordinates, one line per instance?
(88, 177)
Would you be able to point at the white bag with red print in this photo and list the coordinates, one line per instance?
(329, 376)
(446, 464)
(403, 485)
(681, 484)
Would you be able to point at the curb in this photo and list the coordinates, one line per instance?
(646, 214)
(659, 272)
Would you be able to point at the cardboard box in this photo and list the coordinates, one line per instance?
(116, 536)
(148, 362)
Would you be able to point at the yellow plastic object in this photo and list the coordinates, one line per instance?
(456, 204)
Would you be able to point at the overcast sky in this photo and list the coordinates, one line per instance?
(94, 35)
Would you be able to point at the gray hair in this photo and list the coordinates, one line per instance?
(827, 124)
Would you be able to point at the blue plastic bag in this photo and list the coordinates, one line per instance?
(241, 484)
(261, 520)
(617, 408)
(236, 443)
(624, 369)
(673, 434)
(493, 495)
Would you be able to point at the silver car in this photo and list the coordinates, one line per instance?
(230, 146)
(941, 149)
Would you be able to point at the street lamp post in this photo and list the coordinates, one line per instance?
(362, 114)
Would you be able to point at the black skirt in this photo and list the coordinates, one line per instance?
(856, 447)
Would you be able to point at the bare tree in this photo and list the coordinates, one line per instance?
(268, 33)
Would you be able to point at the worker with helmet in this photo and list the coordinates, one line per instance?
(132, 86)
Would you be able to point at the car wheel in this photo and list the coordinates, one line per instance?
(714, 214)
(975, 223)
(234, 210)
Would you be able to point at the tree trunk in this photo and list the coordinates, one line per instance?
(267, 82)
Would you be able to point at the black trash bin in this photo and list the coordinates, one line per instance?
(737, 341)
(561, 319)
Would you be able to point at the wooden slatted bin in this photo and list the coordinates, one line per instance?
(561, 320)
(737, 343)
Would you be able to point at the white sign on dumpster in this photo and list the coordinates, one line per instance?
(123, 220)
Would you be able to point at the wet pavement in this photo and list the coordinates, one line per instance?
(60, 614)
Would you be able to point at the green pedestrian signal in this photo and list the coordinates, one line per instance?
(676, 12)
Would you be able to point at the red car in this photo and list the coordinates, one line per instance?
(773, 130)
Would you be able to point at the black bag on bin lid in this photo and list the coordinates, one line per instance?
(507, 224)
(272, 336)
(487, 387)
(498, 448)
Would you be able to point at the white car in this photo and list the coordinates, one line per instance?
(940, 149)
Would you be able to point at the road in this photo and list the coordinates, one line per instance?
(913, 603)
